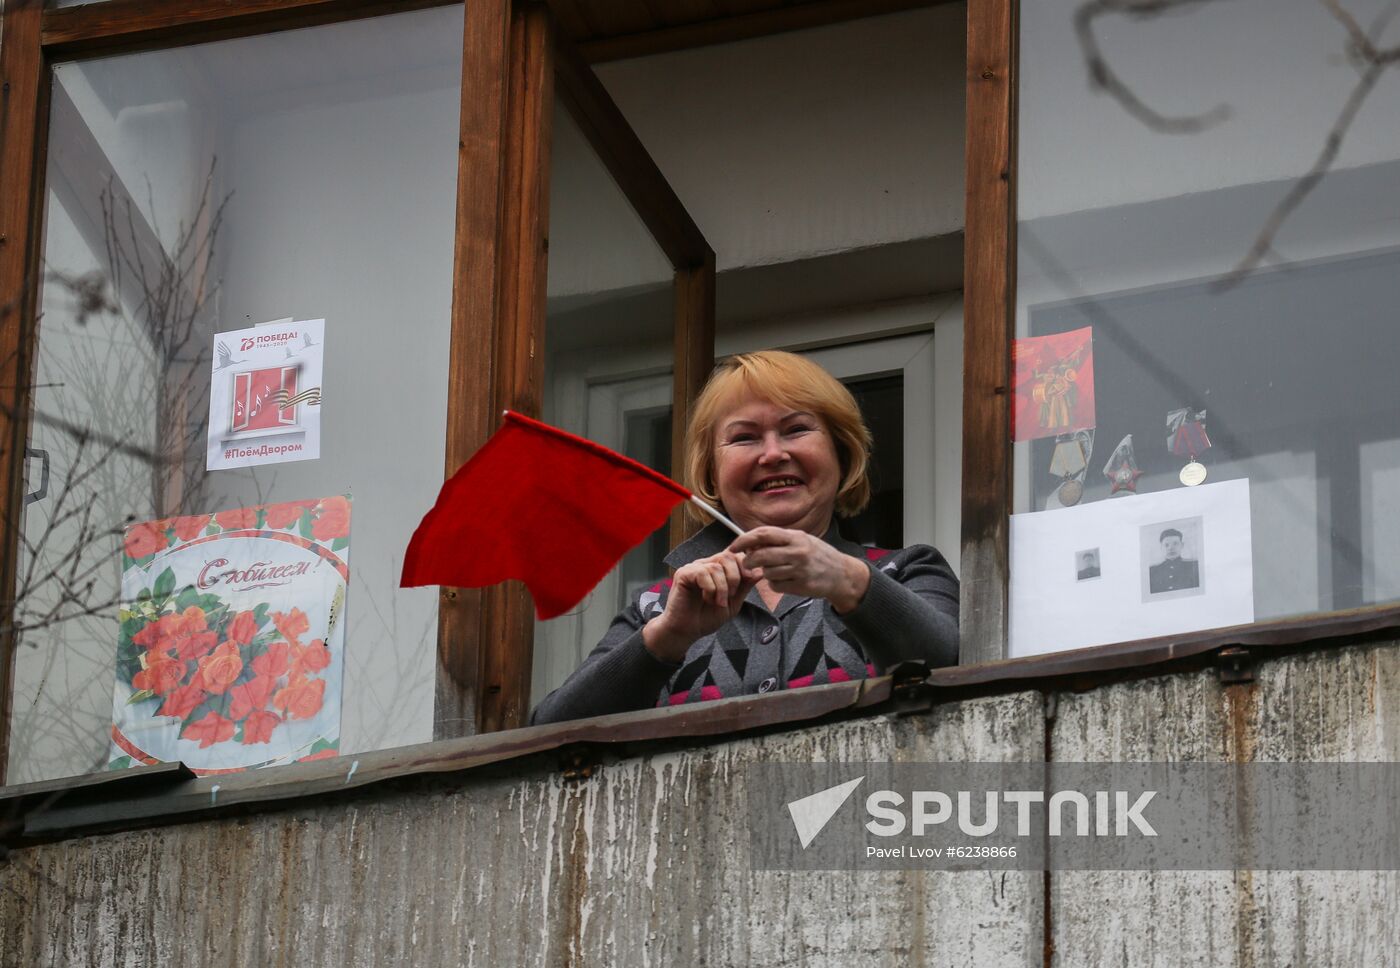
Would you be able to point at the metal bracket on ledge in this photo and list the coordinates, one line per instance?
(578, 764)
(1234, 665)
(909, 689)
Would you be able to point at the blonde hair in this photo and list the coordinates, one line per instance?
(787, 380)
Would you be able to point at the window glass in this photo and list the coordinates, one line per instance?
(646, 438)
(881, 402)
(193, 193)
(608, 352)
(1204, 393)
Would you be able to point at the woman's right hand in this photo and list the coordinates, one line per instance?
(704, 595)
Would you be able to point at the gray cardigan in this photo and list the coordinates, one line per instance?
(910, 611)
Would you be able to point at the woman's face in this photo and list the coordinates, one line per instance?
(776, 466)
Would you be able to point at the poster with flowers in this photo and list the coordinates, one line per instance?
(232, 637)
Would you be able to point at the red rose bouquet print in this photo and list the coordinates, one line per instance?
(231, 637)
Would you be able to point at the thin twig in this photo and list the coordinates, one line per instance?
(1373, 62)
(1103, 77)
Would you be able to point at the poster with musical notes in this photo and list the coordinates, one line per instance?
(265, 396)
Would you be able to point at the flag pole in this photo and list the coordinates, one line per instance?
(716, 515)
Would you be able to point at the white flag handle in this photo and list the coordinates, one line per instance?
(716, 515)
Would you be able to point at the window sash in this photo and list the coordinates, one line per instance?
(512, 58)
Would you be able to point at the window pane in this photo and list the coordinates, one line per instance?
(198, 191)
(647, 439)
(1204, 387)
(881, 402)
(608, 351)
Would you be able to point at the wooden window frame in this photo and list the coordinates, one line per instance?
(989, 303)
(23, 137)
(497, 35)
(989, 286)
(513, 58)
(498, 299)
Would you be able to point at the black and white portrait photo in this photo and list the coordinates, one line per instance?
(1086, 564)
(1133, 567)
(1172, 559)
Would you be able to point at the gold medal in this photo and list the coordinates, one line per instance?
(1070, 492)
(1069, 463)
(1186, 437)
(1068, 458)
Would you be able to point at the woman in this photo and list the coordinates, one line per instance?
(780, 446)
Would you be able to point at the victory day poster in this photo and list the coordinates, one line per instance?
(265, 395)
(231, 647)
(1053, 383)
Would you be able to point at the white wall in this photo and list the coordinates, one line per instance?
(798, 144)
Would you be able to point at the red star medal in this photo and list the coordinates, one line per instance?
(1122, 470)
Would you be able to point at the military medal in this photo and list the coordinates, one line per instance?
(1122, 470)
(1186, 437)
(1069, 463)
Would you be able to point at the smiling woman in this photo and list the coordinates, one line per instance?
(780, 445)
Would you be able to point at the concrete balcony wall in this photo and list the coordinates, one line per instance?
(645, 861)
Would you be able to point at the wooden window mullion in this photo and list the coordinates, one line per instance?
(519, 384)
(989, 292)
(471, 406)
(23, 121)
(695, 358)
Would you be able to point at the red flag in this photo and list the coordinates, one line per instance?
(543, 506)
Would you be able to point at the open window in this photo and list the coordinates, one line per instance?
(619, 305)
(835, 235)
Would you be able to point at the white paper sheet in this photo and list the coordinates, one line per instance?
(1058, 602)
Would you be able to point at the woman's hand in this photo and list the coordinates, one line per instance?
(797, 563)
(704, 595)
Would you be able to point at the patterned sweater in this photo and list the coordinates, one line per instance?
(910, 611)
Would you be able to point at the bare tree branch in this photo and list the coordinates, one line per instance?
(1370, 60)
(1372, 63)
(121, 407)
(1103, 77)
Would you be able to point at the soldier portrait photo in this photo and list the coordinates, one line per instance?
(1086, 564)
(1172, 553)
